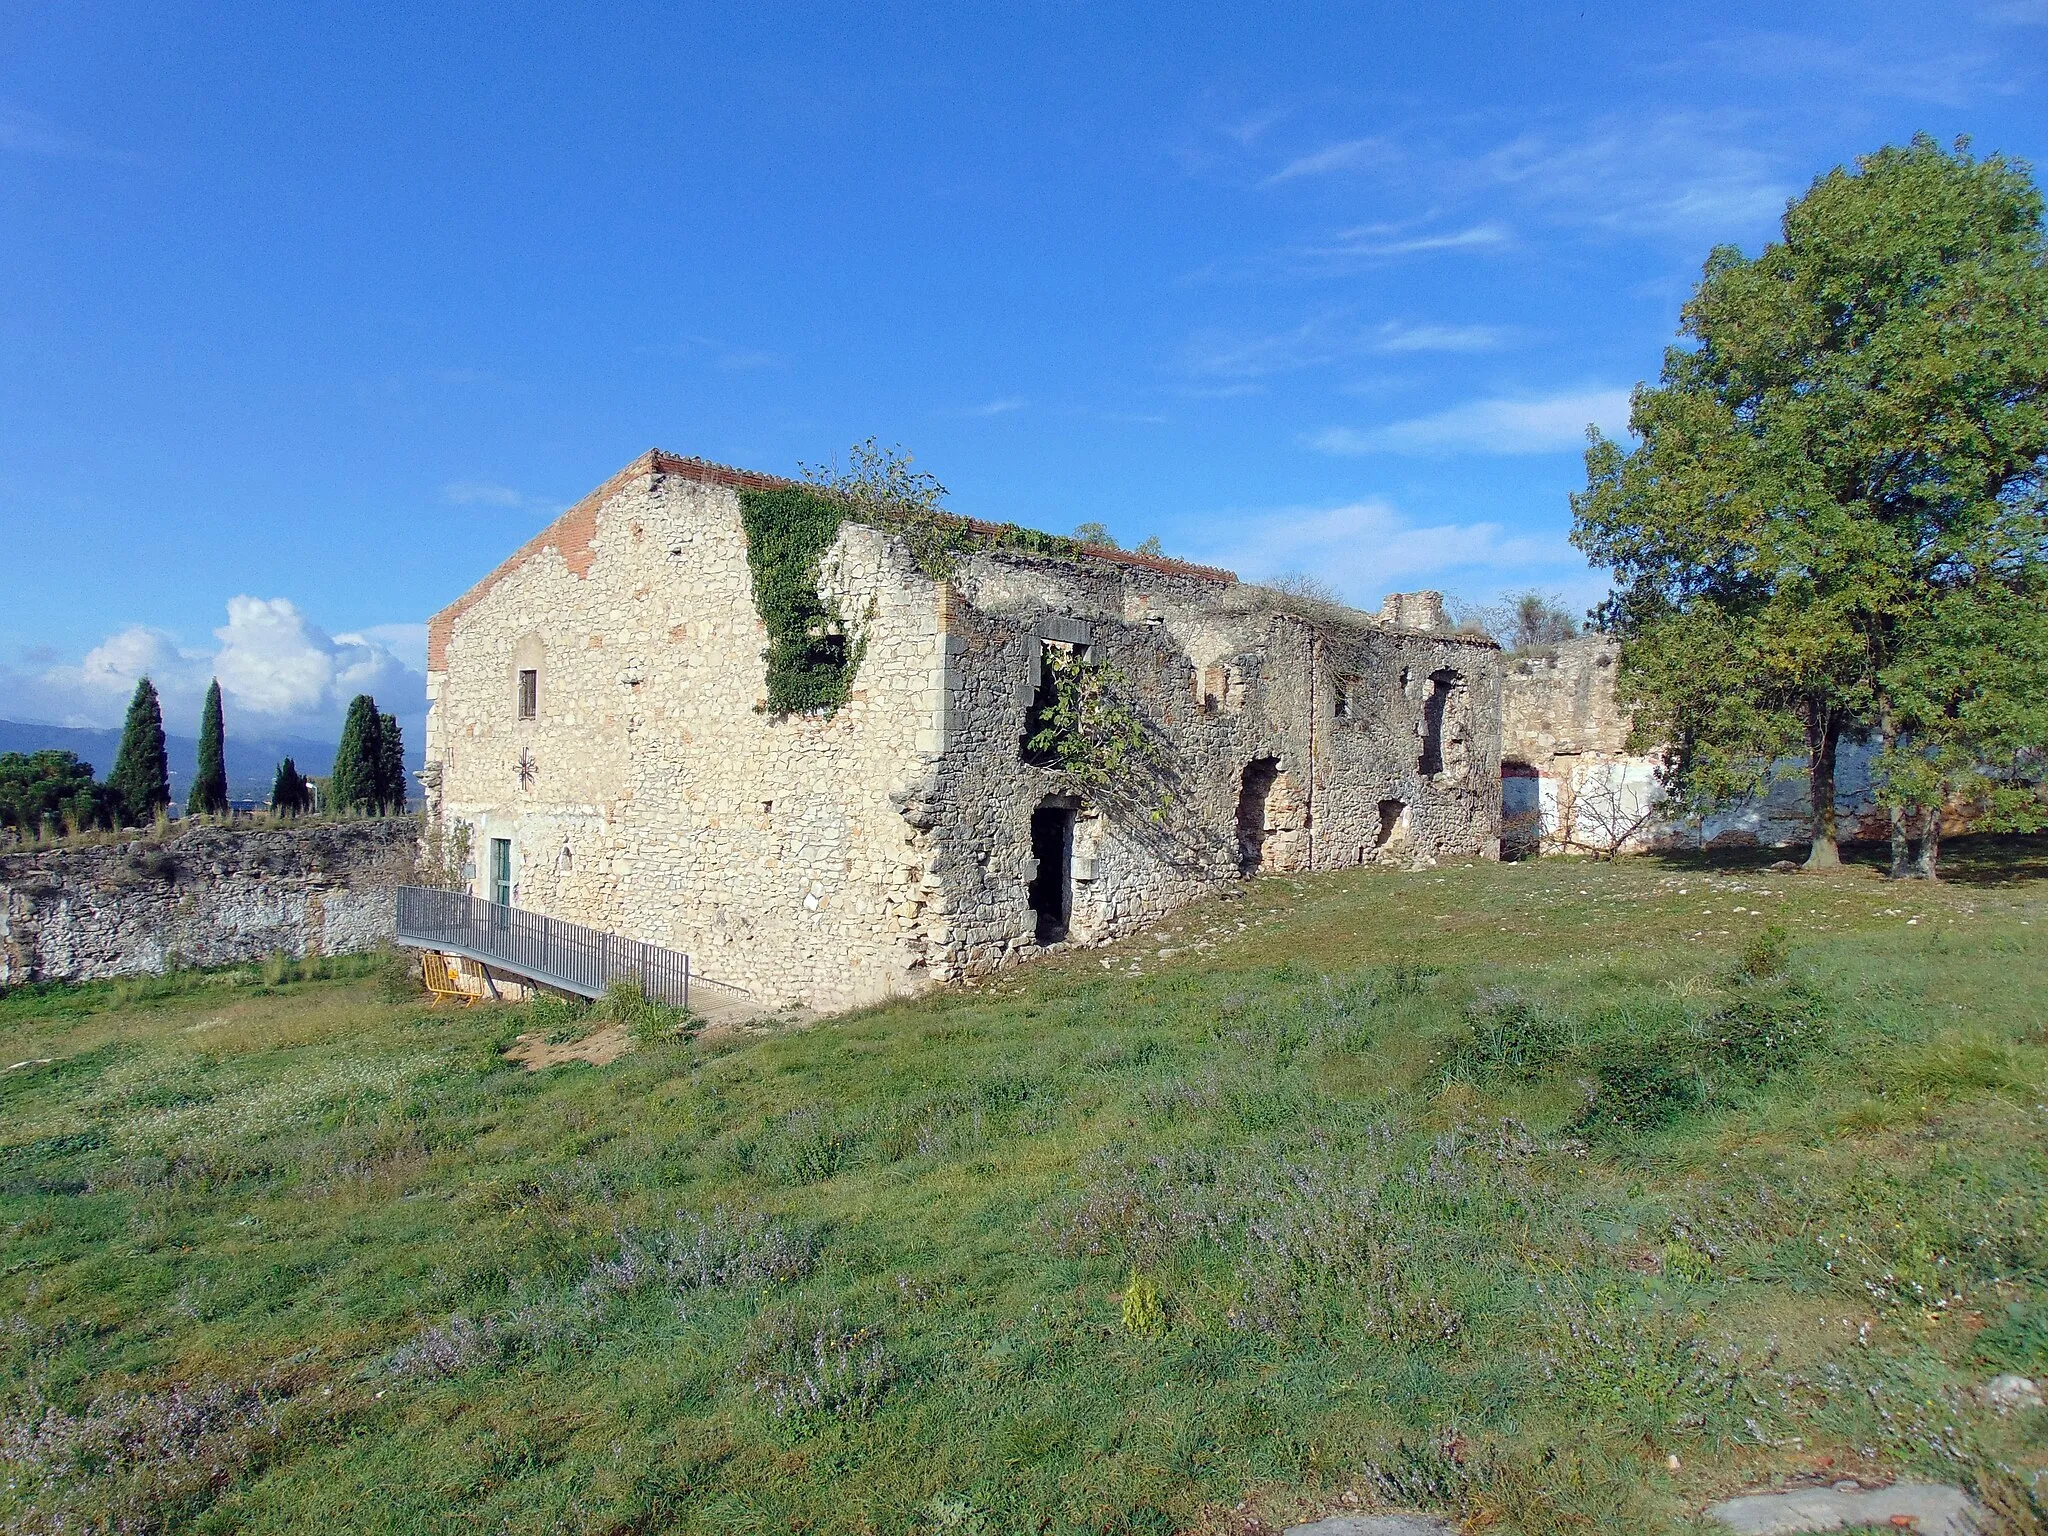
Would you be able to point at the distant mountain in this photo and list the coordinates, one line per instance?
(252, 760)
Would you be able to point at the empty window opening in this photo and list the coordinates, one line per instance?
(1039, 746)
(1407, 684)
(1350, 697)
(1393, 822)
(565, 861)
(1442, 685)
(529, 693)
(1052, 880)
(1255, 790)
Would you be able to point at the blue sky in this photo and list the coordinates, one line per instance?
(312, 313)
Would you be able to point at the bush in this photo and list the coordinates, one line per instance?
(648, 1020)
(1507, 1037)
(810, 1367)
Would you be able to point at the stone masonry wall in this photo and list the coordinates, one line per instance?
(1566, 742)
(213, 896)
(837, 861)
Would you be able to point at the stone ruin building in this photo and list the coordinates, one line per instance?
(1571, 784)
(599, 723)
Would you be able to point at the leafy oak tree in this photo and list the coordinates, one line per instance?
(1844, 456)
(209, 794)
(141, 780)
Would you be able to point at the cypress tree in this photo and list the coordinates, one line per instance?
(355, 785)
(289, 793)
(141, 780)
(391, 764)
(209, 795)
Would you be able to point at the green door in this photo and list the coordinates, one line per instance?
(501, 871)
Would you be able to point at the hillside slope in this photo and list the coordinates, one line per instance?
(1485, 1188)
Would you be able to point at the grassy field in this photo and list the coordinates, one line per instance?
(1562, 1196)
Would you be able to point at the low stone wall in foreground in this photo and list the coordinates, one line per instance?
(212, 896)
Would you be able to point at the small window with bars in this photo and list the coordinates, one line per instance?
(529, 693)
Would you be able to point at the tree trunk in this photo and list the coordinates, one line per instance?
(1823, 735)
(1895, 814)
(1930, 845)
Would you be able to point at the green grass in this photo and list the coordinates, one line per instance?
(1484, 1188)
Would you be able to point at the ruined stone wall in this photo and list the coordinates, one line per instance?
(211, 896)
(836, 861)
(1586, 791)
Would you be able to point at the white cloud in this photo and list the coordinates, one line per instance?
(1002, 407)
(1680, 173)
(274, 667)
(1373, 244)
(1368, 548)
(1547, 424)
(1330, 339)
(1334, 157)
(482, 493)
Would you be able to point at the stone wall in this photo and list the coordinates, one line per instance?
(836, 861)
(211, 896)
(1569, 769)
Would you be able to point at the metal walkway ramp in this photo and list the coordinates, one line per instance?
(554, 953)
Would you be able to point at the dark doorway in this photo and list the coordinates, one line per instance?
(1259, 775)
(1391, 812)
(1052, 887)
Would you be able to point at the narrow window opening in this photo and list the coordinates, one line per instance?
(1052, 881)
(1254, 791)
(1442, 685)
(529, 693)
(1350, 693)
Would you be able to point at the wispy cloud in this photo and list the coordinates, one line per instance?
(1329, 339)
(1368, 548)
(1683, 173)
(28, 133)
(1004, 406)
(1343, 156)
(1545, 424)
(482, 493)
(1371, 245)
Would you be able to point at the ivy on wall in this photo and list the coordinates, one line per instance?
(810, 660)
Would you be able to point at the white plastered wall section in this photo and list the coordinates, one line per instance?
(653, 796)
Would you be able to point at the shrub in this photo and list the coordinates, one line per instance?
(648, 1020)
(1508, 1037)
(1142, 1311)
(810, 1367)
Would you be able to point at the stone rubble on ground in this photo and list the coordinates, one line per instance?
(2008, 1393)
(1375, 1525)
(1930, 1509)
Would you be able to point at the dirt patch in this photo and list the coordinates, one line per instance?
(600, 1048)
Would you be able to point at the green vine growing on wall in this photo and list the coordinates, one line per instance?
(812, 654)
(811, 661)
(1081, 723)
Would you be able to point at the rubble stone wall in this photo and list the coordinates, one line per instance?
(212, 896)
(837, 861)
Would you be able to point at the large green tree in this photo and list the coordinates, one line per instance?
(209, 794)
(1850, 434)
(357, 784)
(391, 785)
(141, 780)
(51, 789)
(290, 794)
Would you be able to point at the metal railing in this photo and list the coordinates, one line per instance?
(544, 949)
